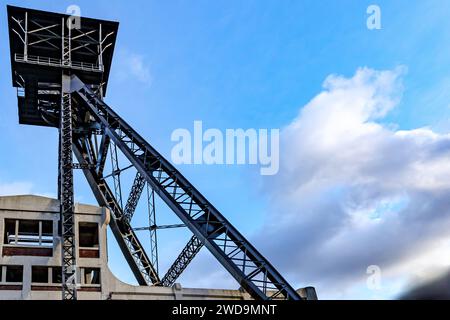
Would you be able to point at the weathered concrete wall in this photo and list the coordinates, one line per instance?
(42, 208)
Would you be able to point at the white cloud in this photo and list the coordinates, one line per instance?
(21, 188)
(15, 188)
(352, 192)
(132, 66)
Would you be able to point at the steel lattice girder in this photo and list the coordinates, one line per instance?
(187, 254)
(103, 151)
(68, 253)
(130, 245)
(233, 251)
(152, 222)
(116, 174)
(133, 198)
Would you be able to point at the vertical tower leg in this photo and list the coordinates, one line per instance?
(68, 253)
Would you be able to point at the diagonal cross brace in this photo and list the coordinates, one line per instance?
(247, 265)
(130, 245)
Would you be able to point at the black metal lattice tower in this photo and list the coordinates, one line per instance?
(65, 196)
(60, 67)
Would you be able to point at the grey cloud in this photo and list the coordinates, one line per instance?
(351, 192)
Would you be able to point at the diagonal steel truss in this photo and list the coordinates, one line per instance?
(130, 245)
(187, 254)
(210, 228)
(133, 198)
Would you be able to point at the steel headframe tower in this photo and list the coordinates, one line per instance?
(60, 67)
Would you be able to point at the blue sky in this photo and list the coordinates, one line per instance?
(242, 64)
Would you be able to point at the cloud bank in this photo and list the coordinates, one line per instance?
(132, 66)
(15, 188)
(352, 192)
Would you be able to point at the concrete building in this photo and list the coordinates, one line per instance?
(30, 257)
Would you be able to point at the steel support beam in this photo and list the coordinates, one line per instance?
(133, 198)
(116, 174)
(68, 253)
(103, 151)
(129, 244)
(187, 254)
(155, 227)
(152, 221)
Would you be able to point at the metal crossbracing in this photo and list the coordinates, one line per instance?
(152, 222)
(133, 198)
(68, 253)
(254, 273)
(187, 254)
(125, 236)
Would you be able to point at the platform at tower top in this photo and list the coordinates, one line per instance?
(44, 44)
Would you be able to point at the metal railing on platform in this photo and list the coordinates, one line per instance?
(52, 62)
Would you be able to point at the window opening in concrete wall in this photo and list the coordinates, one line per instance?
(91, 276)
(29, 232)
(39, 274)
(10, 231)
(14, 273)
(88, 234)
(56, 275)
